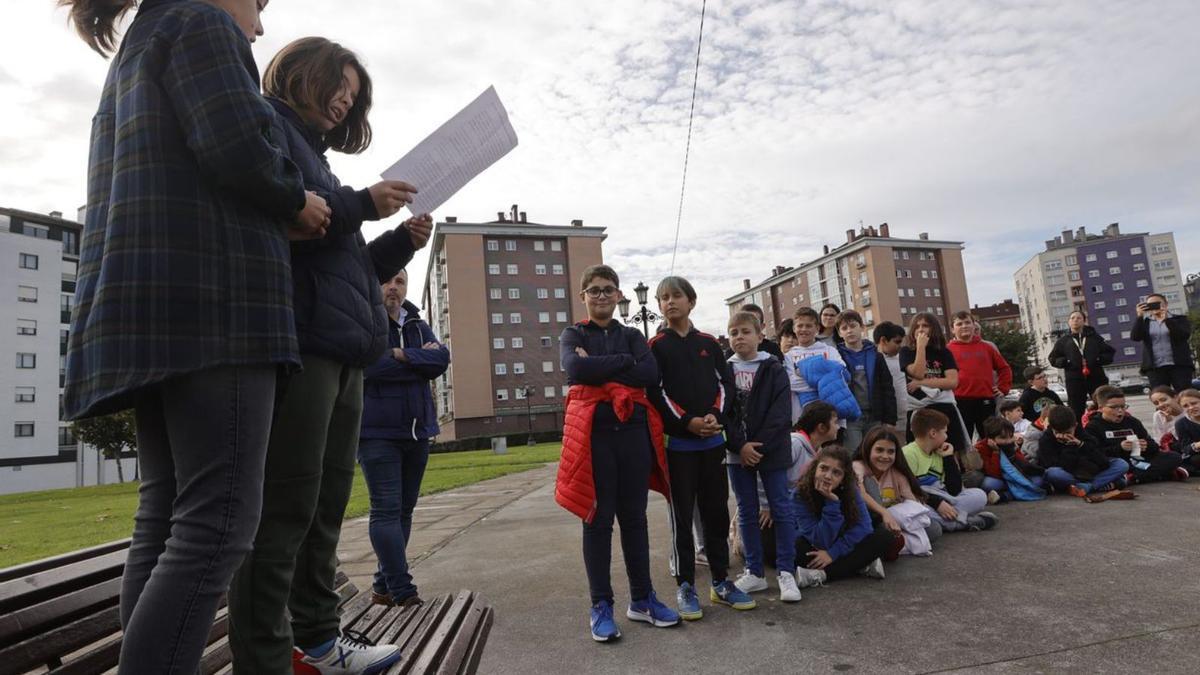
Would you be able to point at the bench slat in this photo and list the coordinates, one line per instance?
(22, 623)
(438, 643)
(25, 569)
(41, 586)
(45, 648)
(466, 644)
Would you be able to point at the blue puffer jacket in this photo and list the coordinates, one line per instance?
(337, 302)
(832, 385)
(397, 402)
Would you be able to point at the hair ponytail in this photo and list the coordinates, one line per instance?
(96, 21)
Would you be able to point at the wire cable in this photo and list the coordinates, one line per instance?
(688, 148)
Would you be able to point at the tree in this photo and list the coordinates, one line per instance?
(1194, 340)
(1016, 347)
(110, 435)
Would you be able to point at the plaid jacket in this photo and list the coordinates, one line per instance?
(184, 262)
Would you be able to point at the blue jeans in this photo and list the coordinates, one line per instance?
(1061, 479)
(393, 470)
(745, 490)
(996, 484)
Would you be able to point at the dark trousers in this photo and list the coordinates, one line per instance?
(1079, 392)
(622, 458)
(974, 411)
(393, 469)
(955, 432)
(1175, 377)
(309, 471)
(202, 440)
(1159, 467)
(874, 546)
(698, 478)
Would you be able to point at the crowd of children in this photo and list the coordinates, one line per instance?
(842, 452)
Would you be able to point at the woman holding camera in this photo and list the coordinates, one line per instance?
(1166, 356)
(1082, 355)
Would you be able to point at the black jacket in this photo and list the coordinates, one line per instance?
(616, 353)
(1083, 461)
(694, 381)
(765, 416)
(1096, 350)
(1109, 435)
(1178, 327)
(338, 305)
(397, 401)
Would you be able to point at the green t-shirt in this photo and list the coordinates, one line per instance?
(923, 466)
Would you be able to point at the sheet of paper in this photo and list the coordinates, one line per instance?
(457, 152)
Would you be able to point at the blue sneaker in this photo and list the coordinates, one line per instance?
(653, 612)
(689, 604)
(604, 628)
(726, 593)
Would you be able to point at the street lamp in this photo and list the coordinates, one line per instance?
(645, 316)
(529, 411)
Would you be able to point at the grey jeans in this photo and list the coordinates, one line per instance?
(202, 442)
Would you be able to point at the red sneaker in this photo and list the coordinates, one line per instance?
(1076, 491)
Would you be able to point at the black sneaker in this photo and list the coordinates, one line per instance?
(984, 520)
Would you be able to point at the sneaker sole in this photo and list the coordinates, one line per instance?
(740, 606)
(383, 665)
(756, 589)
(795, 599)
(601, 638)
(646, 618)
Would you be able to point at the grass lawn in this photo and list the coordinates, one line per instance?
(39, 524)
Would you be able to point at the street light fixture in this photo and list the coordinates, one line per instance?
(529, 411)
(645, 316)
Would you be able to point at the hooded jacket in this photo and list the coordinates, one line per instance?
(831, 382)
(880, 390)
(397, 401)
(1097, 353)
(979, 363)
(1083, 461)
(765, 414)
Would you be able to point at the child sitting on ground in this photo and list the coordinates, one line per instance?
(1187, 430)
(836, 538)
(1075, 463)
(892, 492)
(1123, 436)
(1166, 410)
(999, 439)
(931, 459)
(1015, 414)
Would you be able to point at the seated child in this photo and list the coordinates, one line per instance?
(931, 459)
(1123, 436)
(1187, 430)
(835, 536)
(893, 495)
(1033, 435)
(1075, 463)
(999, 438)
(1015, 414)
(1166, 410)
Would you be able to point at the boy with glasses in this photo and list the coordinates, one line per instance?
(1123, 436)
(1038, 394)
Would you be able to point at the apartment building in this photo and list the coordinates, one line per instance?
(1106, 275)
(499, 294)
(885, 278)
(1004, 315)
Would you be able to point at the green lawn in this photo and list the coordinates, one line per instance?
(38, 524)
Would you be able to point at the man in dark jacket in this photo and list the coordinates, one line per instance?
(1166, 354)
(398, 421)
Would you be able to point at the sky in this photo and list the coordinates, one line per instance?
(995, 123)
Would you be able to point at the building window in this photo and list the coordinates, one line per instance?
(546, 341)
(28, 261)
(23, 430)
(514, 294)
(493, 245)
(901, 292)
(493, 269)
(26, 327)
(933, 274)
(539, 245)
(26, 293)
(518, 343)
(1125, 334)
(497, 343)
(501, 369)
(519, 368)
(1118, 286)
(869, 317)
(560, 317)
(1123, 318)
(497, 318)
(1073, 275)
(549, 392)
(1097, 289)
(1106, 336)
(557, 269)
(1164, 264)
(70, 242)
(1136, 250)
(542, 294)
(556, 246)
(1142, 283)
(911, 293)
(565, 388)
(1091, 257)
(501, 394)
(547, 366)
(940, 312)
(904, 255)
(937, 292)
(1110, 254)
(37, 231)
(560, 293)
(924, 274)
(511, 269)
(1072, 261)
(1130, 351)
(899, 274)
(26, 360)
(519, 393)
(1100, 305)
(1114, 270)
(1159, 249)
(1139, 267)
(539, 269)
(514, 317)
(26, 394)
(928, 292)
(1053, 265)
(510, 245)
(1102, 321)
(494, 293)
(543, 317)
(907, 274)
(1120, 302)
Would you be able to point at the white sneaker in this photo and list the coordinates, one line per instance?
(748, 582)
(873, 570)
(807, 578)
(788, 591)
(349, 657)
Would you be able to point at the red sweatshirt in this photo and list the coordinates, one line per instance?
(979, 363)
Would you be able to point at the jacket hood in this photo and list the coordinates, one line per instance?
(759, 357)
(411, 311)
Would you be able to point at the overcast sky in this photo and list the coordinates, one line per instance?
(995, 123)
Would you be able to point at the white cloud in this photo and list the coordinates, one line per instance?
(998, 123)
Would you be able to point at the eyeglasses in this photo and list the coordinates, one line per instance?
(596, 291)
(1117, 407)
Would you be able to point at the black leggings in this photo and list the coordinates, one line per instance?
(874, 546)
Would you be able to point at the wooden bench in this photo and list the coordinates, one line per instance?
(60, 615)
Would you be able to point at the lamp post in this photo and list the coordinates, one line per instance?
(529, 411)
(644, 315)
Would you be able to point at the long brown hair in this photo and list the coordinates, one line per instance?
(937, 334)
(307, 73)
(847, 492)
(96, 21)
(889, 434)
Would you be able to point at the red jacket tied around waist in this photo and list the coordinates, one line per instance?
(575, 490)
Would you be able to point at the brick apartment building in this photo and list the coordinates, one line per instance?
(499, 294)
(1005, 315)
(883, 277)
